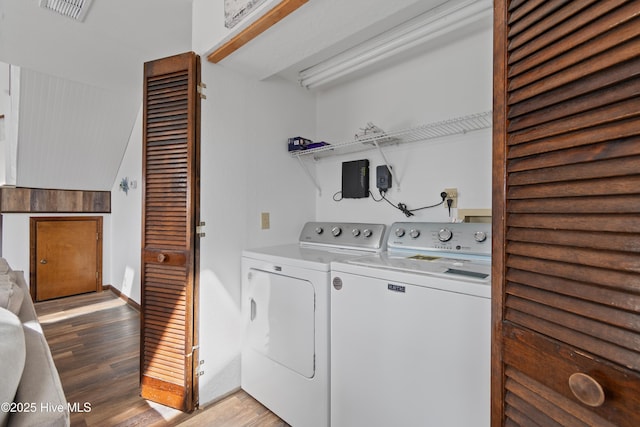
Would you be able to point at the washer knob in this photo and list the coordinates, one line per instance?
(480, 236)
(336, 231)
(444, 235)
(414, 233)
(367, 232)
(319, 230)
(355, 232)
(399, 232)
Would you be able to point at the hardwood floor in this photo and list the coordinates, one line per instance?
(94, 339)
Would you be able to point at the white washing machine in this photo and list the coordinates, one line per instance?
(411, 330)
(285, 304)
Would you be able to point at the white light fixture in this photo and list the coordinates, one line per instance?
(74, 9)
(448, 17)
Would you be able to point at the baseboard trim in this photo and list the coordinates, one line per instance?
(204, 406)
(122, 296)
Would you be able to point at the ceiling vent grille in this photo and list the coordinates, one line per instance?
(74, 9)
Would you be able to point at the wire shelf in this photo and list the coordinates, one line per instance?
(455, 126)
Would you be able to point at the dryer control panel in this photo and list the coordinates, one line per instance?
(344, 235)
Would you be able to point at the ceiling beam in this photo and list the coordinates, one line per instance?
(266, 21)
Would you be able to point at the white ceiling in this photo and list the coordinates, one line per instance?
(81, 83)
(117, 36)
(106, 50)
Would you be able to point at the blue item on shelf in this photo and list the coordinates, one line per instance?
(298, 143)
(317, 144)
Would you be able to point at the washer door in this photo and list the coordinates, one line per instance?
(281, 320)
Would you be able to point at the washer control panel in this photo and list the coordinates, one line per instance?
(347, 235)
(463, 238)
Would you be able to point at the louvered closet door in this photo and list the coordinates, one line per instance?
(169, 242)
(566, 348)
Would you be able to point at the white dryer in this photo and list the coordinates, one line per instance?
(285, 304)
(411, 330)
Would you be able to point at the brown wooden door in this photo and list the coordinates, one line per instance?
(566, 270)
(66, 256)
(168, 352)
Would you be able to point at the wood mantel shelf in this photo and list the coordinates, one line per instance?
(32, 200)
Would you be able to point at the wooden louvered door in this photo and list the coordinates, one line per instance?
(168, 339)
(566, 271)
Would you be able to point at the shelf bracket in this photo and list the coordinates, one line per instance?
(311, 177)
(386, 162)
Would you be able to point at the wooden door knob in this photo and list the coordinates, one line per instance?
(586, 389)
(162, 257)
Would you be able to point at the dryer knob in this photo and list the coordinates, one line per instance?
(399, 232)
(414, 233)
(319, 230)
(355, 232)
(367, 232)
(336, 231)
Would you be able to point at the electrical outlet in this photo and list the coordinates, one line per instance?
(452, 193)
(264, 220)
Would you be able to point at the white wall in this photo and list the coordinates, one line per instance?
(246, 170)
(126, 218)
(5, 109)
(9, 146)
(4, 88)
(452, 80)
(15, 241)
(207, 23)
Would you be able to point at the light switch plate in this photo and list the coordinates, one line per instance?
(264, 221)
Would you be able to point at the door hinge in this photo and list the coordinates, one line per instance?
(201, 88)
(199, 372)
(199, 229)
